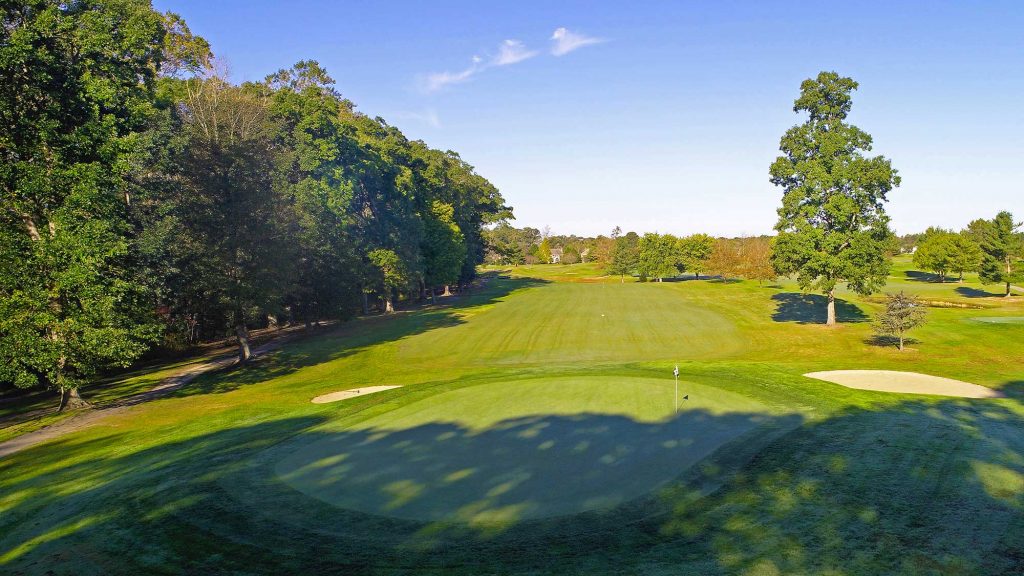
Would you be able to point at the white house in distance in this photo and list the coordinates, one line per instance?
(556, 255)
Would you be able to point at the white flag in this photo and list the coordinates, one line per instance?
(676, 372)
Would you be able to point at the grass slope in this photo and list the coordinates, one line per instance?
(830, 481)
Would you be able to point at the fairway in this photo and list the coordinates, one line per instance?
(570, 323)
(511, 451)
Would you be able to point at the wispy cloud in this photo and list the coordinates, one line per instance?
(510, 52)
(438, 80)
(565, 41)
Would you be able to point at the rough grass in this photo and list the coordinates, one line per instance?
(830, 480)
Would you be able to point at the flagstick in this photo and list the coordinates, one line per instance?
(676, 374)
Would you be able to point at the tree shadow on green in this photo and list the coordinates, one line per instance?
(889, 341)
(354, 337)
(216, 504)
(921, 488)
(917, 487)
(811, 309)
(930, 277)
(968, 292)
(1013, 389)
(508, 472)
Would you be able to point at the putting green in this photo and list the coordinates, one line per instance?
(525, 449)
(1000, 319)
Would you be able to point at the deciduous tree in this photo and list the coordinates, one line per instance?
(657, 256)
(936, 252)
(966, 254)
(76, 84)
(832, 224)
(695, 252)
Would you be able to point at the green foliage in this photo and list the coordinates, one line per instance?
(509, 245)
(936, 252)
(544, 251)
(657, 256)
(695, 252)
(391, 273)
(966, 254)
(444, 246)
(229, 209)
(625, 256)
(138, 183)
(183, 52)
(1002, 251)
(832, 226)
(902, 313)
(75, 80)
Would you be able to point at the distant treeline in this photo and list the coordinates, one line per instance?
(991, 248)
(652, 256)
(147, 200)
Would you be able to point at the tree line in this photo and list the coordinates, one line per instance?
(992, 248)
(149, 201)
(652, 256)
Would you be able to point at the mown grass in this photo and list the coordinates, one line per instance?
(831, 480)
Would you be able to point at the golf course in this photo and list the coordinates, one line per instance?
(543, 289)
(533, 428)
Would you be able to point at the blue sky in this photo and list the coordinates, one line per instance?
(659, 116)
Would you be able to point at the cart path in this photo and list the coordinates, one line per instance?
(90, 416)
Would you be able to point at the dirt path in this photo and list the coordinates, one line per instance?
(88, 417)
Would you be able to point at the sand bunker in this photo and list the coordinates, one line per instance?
(346, 394)
(905, 382)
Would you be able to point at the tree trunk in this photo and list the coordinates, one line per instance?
(70, 400)
(243, 343)
(831, 320)
(696, 275)
(366, 304)
(961, 280)
(622, 278)
(447, 290)
(901, 342)
(1007, 295)
(389, 307)
(433, 299)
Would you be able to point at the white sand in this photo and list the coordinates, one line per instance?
(346, 394)
(905, 382)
